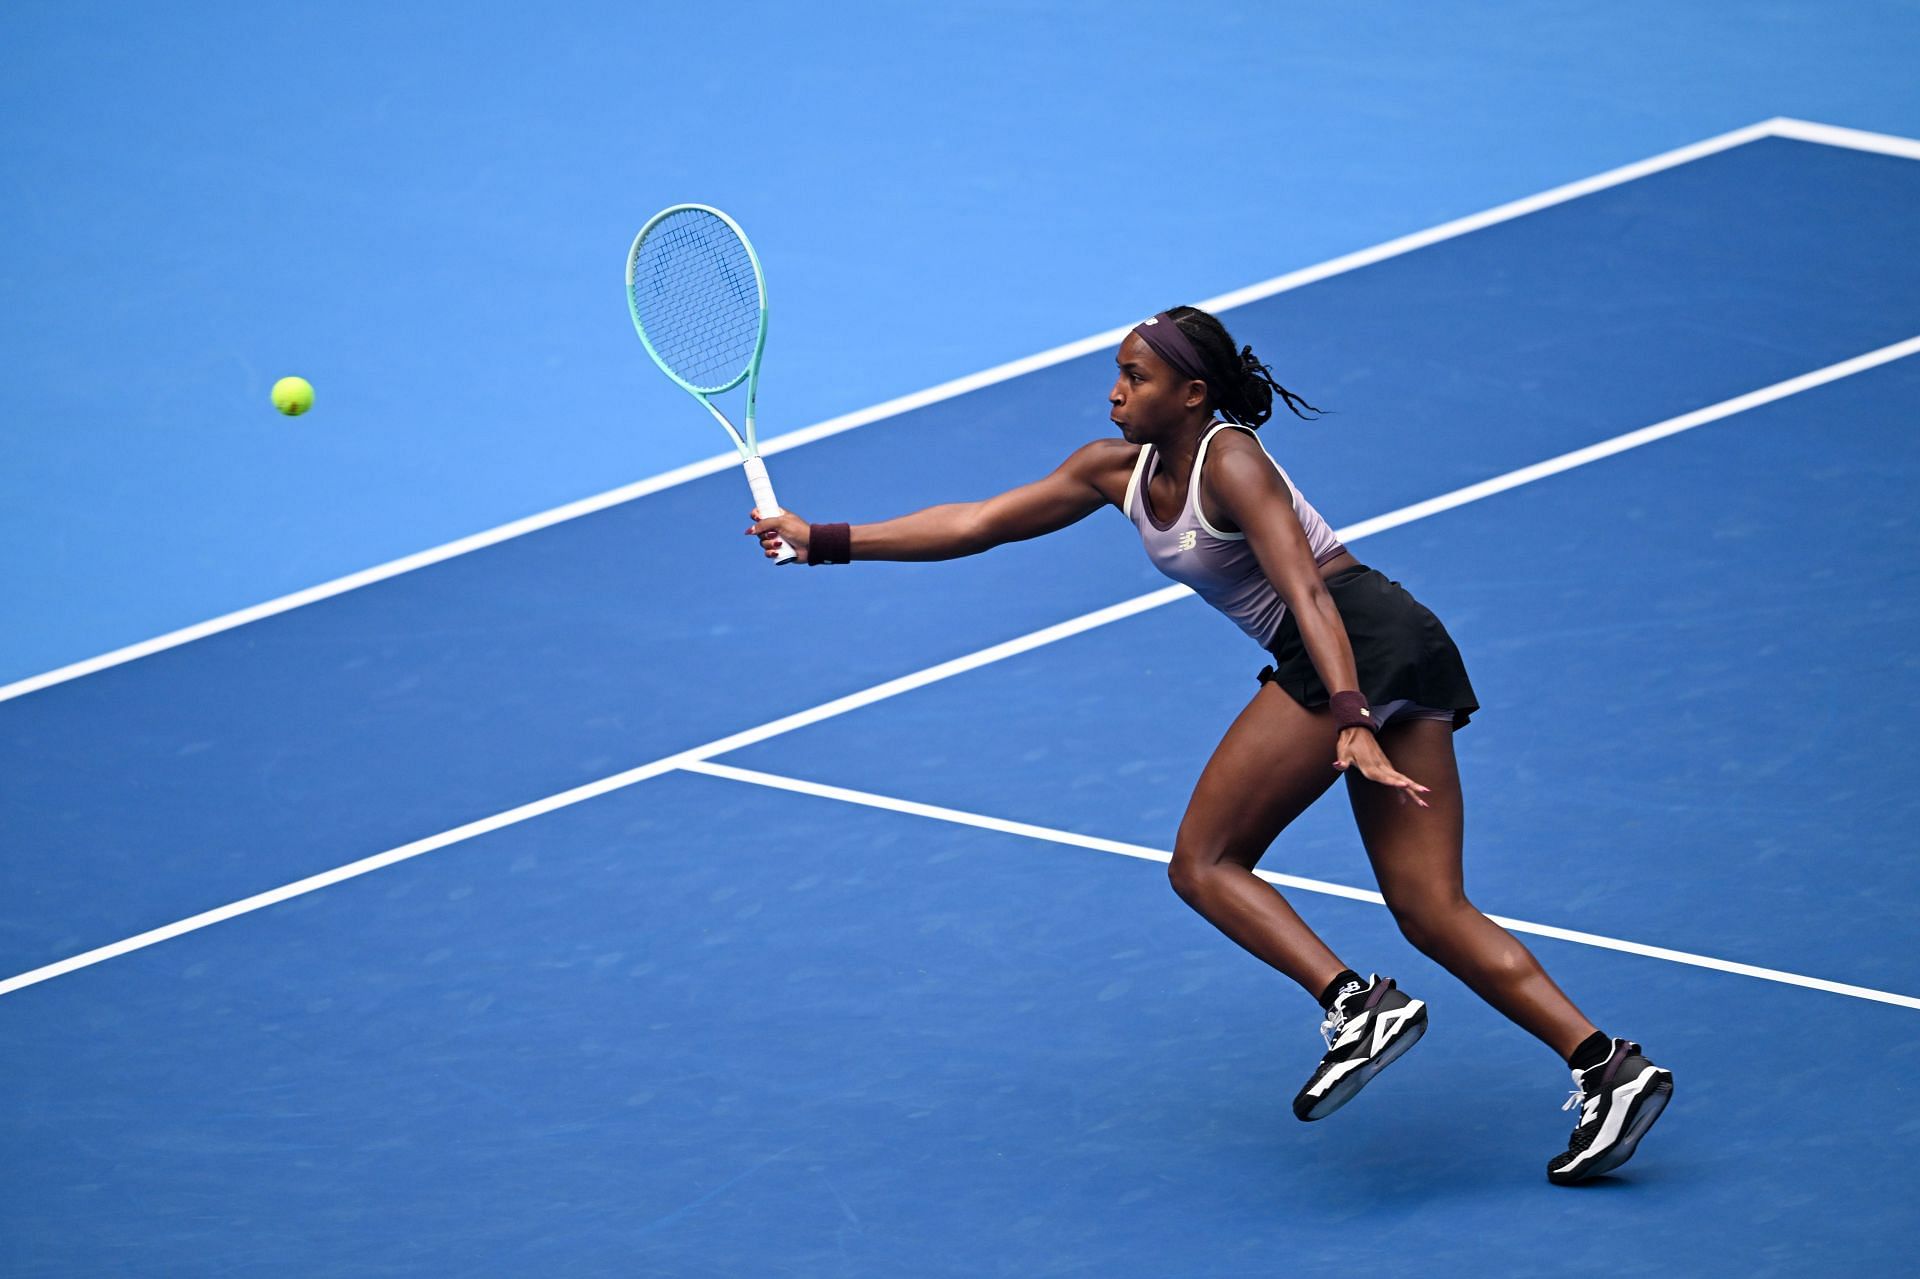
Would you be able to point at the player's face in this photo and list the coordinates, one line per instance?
(1149, 399)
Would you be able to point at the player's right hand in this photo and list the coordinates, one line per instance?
(1357, 748)
(786, 527)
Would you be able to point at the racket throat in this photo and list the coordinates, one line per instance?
(745, 450)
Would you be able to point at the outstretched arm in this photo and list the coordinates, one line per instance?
(1075, 489)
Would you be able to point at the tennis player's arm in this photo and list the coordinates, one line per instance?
(1076, 489)
(1247, 489)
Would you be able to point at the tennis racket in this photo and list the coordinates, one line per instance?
(699, 304)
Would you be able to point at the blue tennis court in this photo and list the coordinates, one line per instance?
(605, 902)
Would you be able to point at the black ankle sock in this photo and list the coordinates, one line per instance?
(1333, 987)
(1592, 1051)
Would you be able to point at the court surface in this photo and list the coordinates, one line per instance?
(680, 916)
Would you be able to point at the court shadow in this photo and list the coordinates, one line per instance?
(1411, 1151)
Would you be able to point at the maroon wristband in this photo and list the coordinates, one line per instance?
(829, 544)
(1350, 710)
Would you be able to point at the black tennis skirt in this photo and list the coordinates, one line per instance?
(1399, 647)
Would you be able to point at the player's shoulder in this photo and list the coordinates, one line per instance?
(1239, 471)
(1105, 463)
(1235, 457)
(1106, 449)
(1103, 457)
(1235, 441)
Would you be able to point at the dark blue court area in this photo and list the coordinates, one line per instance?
(703, 1026)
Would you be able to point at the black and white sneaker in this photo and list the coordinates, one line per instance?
(1369, 1027)
(1619, 1099)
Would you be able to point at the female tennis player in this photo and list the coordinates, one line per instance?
(1365, 683)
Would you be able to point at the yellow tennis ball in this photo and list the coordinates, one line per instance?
(293, 395)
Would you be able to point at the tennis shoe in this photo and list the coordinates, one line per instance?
(1368, 1027)
(1618, 1101)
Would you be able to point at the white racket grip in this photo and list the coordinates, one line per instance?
(767, 504)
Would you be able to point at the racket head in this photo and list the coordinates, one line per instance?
(697, 297)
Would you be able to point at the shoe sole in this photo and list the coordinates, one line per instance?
(1646, 1108)
(1345, 1091)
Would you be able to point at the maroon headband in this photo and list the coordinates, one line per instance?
(1173, 346)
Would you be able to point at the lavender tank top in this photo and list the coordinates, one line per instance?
(1220, 567)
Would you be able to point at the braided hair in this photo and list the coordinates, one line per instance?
(1242, 388)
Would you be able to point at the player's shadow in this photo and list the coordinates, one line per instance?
(1416, 1147)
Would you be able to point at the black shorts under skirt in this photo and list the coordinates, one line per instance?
(1401, 650)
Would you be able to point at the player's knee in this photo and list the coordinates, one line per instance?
(1185, 877)
(1191, 863)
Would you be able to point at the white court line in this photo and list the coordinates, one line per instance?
(1779, 126)
(946, 670)
(895, 407)
(1632, 439)
(1834, 136)
(959, 818)
(606, 785)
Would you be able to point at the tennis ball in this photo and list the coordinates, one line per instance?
(293, 395)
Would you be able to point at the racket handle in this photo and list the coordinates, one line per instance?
(768, 505)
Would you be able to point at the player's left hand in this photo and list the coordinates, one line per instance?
(1358, 749)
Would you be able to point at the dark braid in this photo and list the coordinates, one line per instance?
(1243, 387)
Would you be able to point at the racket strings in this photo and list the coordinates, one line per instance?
(696, 297)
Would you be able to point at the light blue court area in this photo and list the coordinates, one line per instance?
(695, 1024)
(426, 219)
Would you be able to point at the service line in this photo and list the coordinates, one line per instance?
(1027, 830)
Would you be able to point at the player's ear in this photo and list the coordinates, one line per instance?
(1196, 394)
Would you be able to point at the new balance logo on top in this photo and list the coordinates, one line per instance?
(1187, 539)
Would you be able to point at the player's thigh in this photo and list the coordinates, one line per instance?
(1274, 761)
(1415, 851)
